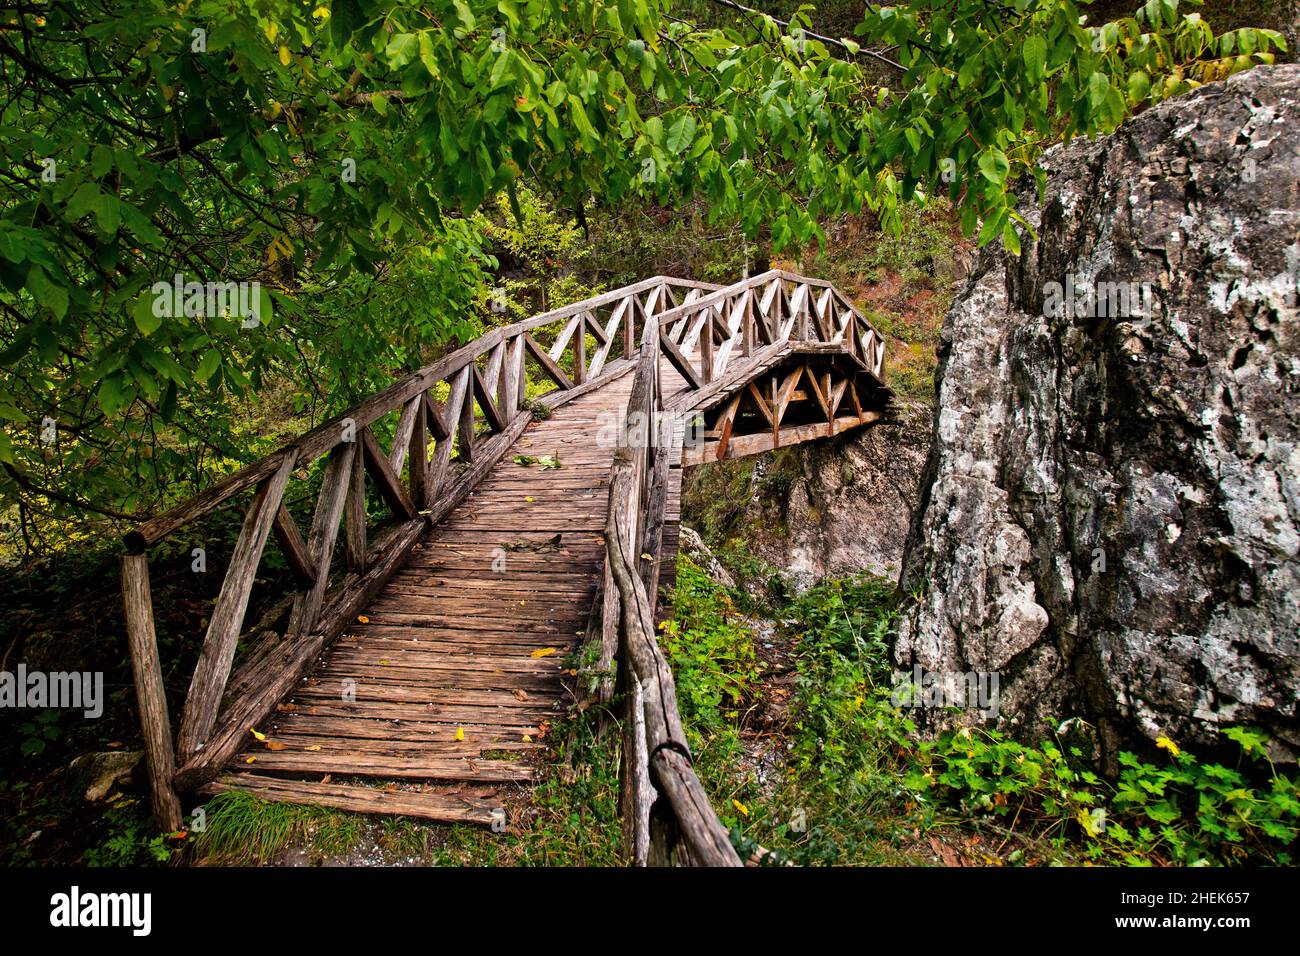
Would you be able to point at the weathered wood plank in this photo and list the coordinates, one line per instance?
(218, 652)
(150, 695)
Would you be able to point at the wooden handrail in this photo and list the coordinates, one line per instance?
(667, 814)
(311, 445)
(717, 342)
(484, 413)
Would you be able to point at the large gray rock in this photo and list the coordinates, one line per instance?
(1111, 518)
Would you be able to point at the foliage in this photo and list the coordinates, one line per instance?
(546, 248)
(709, 648)
(1181, 810)
(338, 155)
(857, 785)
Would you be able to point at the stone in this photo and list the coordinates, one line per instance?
(1110, 516)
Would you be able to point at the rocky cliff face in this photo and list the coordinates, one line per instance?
(1111, 514)
(825, 508)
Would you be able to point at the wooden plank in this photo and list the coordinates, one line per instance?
(402, 434)
(436, 807)
(293, 659)
(387, 483)
(218, 651)
(548, 364)
(743, 445)
(150, 694)
(401, 768)
(483, 392)
(294, 548)
(354, 513)
(324, 531)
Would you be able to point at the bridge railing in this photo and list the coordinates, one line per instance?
(454, 419)
(713, 341)
(742, 324)
(667, 816)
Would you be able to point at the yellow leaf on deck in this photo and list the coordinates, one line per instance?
(250, 760)
(543, 652)
(460, 733)
(276, 745)
(520, 694)
(312, 747)
(528, 739)
(254, 732)
(528, 497)
(362, 619)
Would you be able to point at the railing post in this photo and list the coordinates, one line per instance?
(150, 695)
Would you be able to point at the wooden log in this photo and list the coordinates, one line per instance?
(150, 695)
(354, 512)
(704, 835)
(636, 793)
(324, 530)
(294, 548)
(556, 374)
(218, 652)
(437, 807)
(387, 483)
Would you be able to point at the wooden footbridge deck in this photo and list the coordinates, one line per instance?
(471, 542)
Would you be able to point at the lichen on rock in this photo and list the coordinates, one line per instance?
(1111, 513)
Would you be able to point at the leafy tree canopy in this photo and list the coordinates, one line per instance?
(337, 153)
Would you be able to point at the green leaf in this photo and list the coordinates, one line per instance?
(46, 293)
(680, 134)
(401, 50)
(208, 365)
(994, 165)
(142, 313)
(1035, 56)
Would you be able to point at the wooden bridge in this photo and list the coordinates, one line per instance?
(521, 519)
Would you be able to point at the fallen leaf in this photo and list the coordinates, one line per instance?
(741, 807)
(250, 760)
(362, 619)
(543, 652)
(528, 739)
(519, 694)
(276, 745)
(254, 732)
(460, 733)
(312, 747)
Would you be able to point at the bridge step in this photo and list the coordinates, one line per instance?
(439, 807)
